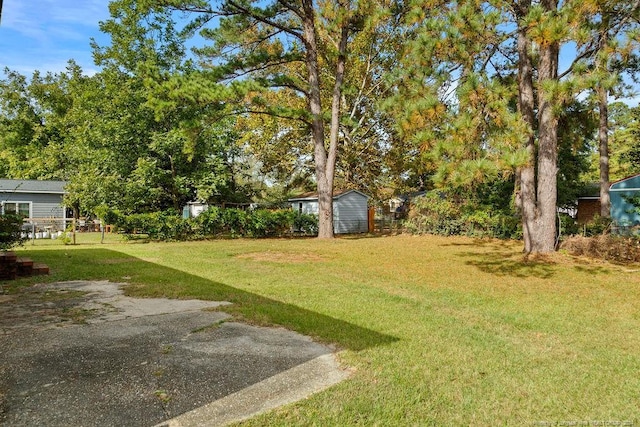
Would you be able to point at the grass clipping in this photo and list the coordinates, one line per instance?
(611, 248)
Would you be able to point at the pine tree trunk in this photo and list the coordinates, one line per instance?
(547, 191)
(526, 191)
(538, 193)
(603, 140)
(324, 180)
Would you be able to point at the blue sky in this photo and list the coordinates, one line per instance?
(44, 34)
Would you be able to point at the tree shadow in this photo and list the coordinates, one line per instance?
(506, 266)
(159, 281)
(501, 261)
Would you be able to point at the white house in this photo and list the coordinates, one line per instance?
(350, 210)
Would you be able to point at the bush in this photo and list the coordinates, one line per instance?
(10, 231)
(568, 225)
(435, 214)
(306, 224)
(598, 225)
(265, 223)
(156, 225)
(208, 223)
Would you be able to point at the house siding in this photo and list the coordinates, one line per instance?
(351, 213)
(45, 199)
(305, 207)
(623, 212)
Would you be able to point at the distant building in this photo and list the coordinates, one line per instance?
(350, 210)
(38, 201)
(623, 213)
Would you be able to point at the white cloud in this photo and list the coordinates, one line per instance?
(44, 34)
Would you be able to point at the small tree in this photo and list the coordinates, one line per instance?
(10, 231)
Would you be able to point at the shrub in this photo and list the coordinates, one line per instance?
(306, 224)
(157, 225)
(10, 231)
(435, 214)
(265, 223)
(208, 223)
(568, 225)
(234, 221)
(213, 222)
(598, 225)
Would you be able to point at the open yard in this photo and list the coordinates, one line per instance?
(437, 331)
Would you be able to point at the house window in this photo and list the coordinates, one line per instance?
(300, 207)
(20, 208)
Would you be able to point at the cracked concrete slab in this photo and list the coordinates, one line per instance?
(145, 362)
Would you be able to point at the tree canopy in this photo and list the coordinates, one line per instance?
(231, 102)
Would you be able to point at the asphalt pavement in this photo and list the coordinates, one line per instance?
(99, 358)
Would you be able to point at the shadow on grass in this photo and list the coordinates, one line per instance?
(151, 280)
(500, 260)
(500, 265)
(503, 263)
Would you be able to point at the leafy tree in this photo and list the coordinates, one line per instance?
(473, 58)
(280, 45)
(607, 43)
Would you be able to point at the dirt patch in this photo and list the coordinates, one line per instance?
(42, 307)
(282, 257)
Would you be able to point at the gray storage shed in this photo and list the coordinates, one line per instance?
(350, 210)
(33, 199)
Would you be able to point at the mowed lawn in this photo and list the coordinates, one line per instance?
(436, 331)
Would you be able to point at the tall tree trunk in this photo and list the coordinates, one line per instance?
(603, 126)
(537, 194)
(547, 191)
(324, 180)
(526, 186)
(603, 140)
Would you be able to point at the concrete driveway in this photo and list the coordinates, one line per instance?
(83, 354)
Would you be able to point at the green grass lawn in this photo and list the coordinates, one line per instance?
(437, 331)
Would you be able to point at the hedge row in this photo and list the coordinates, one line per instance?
(214, 222)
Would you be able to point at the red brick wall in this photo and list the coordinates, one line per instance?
(587, 209)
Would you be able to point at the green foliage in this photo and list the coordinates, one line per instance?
(568, 225)
(439, 214)
(306, 224)
(434, 214)
(214, 222)
(156, 225)
(10, 231)
(597, 226)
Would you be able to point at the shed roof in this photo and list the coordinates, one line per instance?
(313, 195)
(32, 186)
(630, 182)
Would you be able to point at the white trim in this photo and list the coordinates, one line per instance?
(624, 189)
